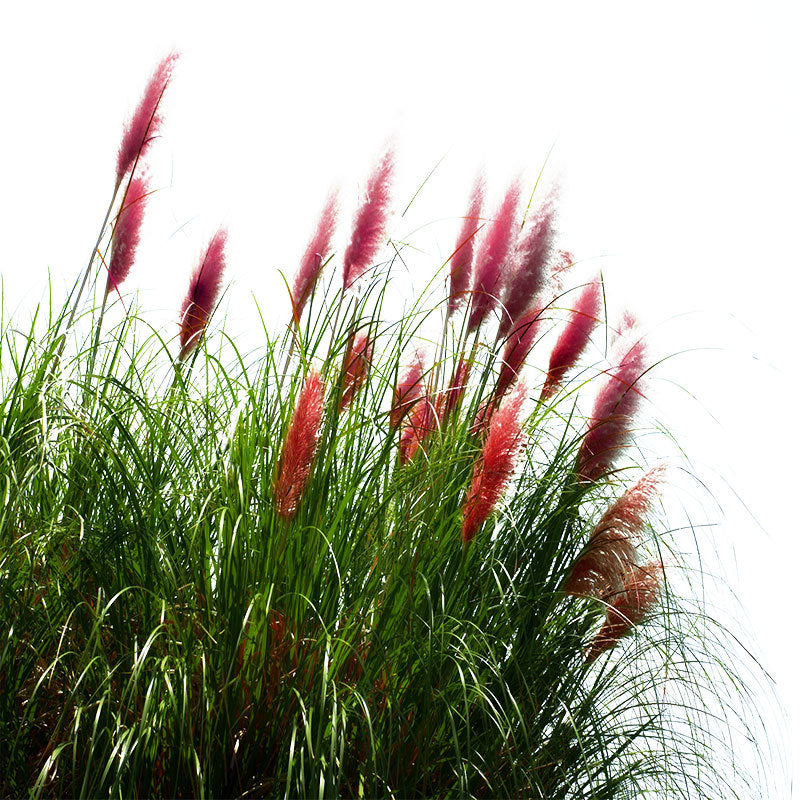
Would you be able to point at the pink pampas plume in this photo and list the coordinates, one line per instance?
(300, 447)
(639, 595)
(600, 569)
(574, 338)
(204, 287)
(143, 126)
(408, 391)
(517, 348)
(458, 385)
(359, 359)
(495, 465)
(461, 260)
(612, 416)
(491, 259)
(125, 238)
(370, 221)
(422, 421)
(531, 258)
(314, 257)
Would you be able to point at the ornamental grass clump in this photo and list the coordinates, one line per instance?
(304, 570)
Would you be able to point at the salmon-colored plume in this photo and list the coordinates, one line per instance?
(495, 465)
(574, 338)
(204, 287)
(125, 238)
(612, 416)
(461, 260)
(518, 346)
(143, 126)
(408, 391)
(492, 258)
(314, 257)
(530, 270)
(370, 221)
(300, 447)
(638, 597)
(359, 359)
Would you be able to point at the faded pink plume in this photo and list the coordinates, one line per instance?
(370, 221)
(359, 359)
(458, 385)
(143, 126)
(612, 416)
(461, 260)
(517, 348)
(574, 338)
(204, 288)
(408, 391)
(531, 258)
(495, 465)
(125, 238)
(300, 447)
(640, 593)
(422, 421)
(491, 260)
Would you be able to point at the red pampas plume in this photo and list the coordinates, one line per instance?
(204, 288)
(531, 258)
(461, 260)
(143, 126)
(314, 257)
(125, 238)
(495, 465)
(491, 259)
(517, 348)
(370, 222)
(574, 338)
(408, 391)
(614, 408)
(359, 359)
(300, 447)
(639, 595)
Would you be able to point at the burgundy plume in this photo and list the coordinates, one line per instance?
(125, 238)
(461, 260)
(614, 408)
(204, 287)
(495, 465)
(299, 447)
(370, 222)
(530, 262)
(408, 391)
(518, 346)
(359, 359)
(574, 338)
(491, 259)
(640, 593)
(143, 126)
(314, 257)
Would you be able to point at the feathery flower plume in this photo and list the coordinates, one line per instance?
(491, 259)
(531, 258)
(409, 389)
(640, 594)
(458, 385)
(600, 569)
(461, 260)
(204, 287)
(125, 238)
(614, 407)
(517, 348)
(422, 421)
(494, 467)
(300, 447)
(574, 338)
(564, 260)
(143, 126)
(370, 221)
(314, 257)
(359, 358)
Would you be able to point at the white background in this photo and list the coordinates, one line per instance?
(675, 133)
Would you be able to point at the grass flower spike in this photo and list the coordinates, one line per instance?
(494, 467)
(204, 287)
(143, 126)
(461, 260)
(300, 447)
(125, 238)
(408, 391)
(359, 359)
(517, 348)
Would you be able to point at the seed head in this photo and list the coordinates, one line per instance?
(125, 238)
(461, 260)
